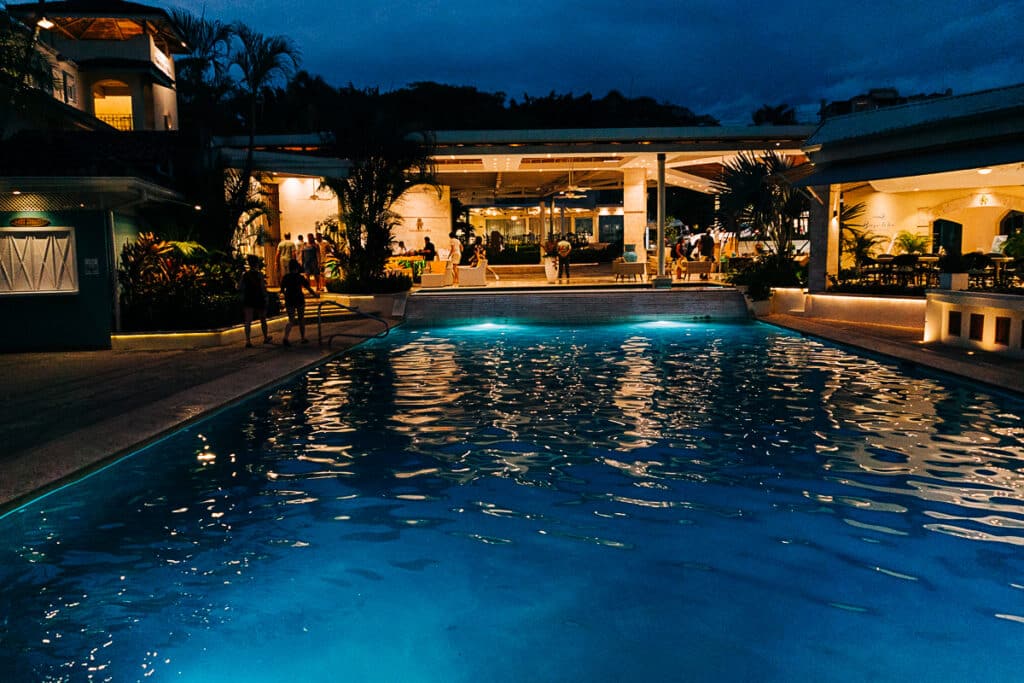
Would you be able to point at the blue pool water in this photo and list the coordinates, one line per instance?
(608, 503)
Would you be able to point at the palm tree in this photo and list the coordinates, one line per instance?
(386, 161)
(203, 73)
(755, 191)
(261, 60)
(22, 68)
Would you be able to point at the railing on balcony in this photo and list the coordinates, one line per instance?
(119, 121)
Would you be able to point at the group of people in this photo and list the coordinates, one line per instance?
(311, 254)
(478, 256)
(693, 247)
(301, 267)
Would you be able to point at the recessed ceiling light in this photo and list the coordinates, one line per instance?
(984, 171)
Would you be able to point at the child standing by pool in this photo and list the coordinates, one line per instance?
(294, 302)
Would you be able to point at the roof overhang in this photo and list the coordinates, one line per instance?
(289, 164)
(103, 20)
(35, 193)
(933, 136)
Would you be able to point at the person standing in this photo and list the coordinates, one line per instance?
(285, 253)
(429, 251)
(679, 254)
(323, 252)
(294, 301)
(707, 249)
(454, 255)
(309, 260)
(563, 249)
(253, 289)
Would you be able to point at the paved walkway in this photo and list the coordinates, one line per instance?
(67, 412)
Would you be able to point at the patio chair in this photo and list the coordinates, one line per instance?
(440, 275)
(472, 276)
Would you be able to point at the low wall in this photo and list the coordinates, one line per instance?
(384, 305)
(854, 308)
(976, 320)
(577, 305)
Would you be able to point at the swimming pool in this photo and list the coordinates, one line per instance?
(625, 502)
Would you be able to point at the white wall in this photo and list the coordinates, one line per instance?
(423, 202)
(299, 213)
(978, 209)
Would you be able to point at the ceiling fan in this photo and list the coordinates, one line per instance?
(573, 191)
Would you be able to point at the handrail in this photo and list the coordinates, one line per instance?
(351, 309)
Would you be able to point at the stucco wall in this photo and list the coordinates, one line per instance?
(978, 209)
(299, 213)
(423, 202)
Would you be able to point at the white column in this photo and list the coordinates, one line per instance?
(634, 207)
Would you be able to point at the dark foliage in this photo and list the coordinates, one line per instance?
(388, 283)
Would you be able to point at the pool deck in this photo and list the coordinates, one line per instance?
(68, 412)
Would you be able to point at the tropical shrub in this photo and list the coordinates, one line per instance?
(760, 275)
(907, 242)
(178, 286)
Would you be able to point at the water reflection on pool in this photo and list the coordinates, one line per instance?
(511, 503)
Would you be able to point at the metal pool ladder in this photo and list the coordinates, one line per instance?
(355, 313)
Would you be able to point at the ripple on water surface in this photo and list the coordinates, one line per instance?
(543, 503)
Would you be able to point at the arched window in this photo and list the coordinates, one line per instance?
(1013, 222)
(112, 104)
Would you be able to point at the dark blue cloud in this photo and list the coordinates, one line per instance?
(722, 58)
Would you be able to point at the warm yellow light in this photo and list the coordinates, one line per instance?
(45, 23)
(984, 171)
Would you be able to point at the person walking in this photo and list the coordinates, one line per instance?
(285, 253)
(310, 258)
(563, 249)
(253, 289)
(294, 301)
(454, 255)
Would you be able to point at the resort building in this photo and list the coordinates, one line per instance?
(948, 172)
(109, 59)
(74, 187)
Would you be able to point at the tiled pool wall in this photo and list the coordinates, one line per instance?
(428, 308)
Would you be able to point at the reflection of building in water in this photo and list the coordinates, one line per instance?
(975, 473)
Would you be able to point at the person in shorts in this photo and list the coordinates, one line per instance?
(292, 285)
(253, 289)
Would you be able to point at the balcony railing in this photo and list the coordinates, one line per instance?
(119, 121)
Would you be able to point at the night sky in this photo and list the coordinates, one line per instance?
(715, 57)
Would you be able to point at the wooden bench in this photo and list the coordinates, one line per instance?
(696, 268)
(623, 269)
